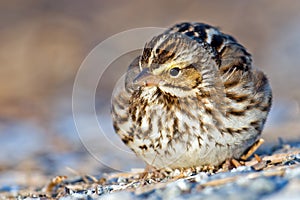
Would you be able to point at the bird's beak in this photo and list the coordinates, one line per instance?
(146, 78)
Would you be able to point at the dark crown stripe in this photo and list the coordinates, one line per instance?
(219, 41)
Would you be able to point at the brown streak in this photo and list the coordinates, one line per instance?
(236, 112)
(237, 97)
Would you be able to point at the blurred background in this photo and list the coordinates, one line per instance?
(44, 42)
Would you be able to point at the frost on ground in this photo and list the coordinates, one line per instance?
(274, 176)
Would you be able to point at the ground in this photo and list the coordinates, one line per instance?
(274, 176)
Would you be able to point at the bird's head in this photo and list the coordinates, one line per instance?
(176, 64)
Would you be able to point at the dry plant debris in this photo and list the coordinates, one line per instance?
(264, 170)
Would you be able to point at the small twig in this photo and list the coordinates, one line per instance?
(275, 158)
(235, 163)
(257, 158)
(252, 149)
(54, 182)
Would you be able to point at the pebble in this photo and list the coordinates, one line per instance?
(201, 177)
(183, 185)
(242, 169)
(122, 180)
(175, 173)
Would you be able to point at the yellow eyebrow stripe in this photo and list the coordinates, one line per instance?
(165, 67)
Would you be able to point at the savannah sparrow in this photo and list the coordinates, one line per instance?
(192, 98)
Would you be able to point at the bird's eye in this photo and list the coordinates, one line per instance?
(174, 71)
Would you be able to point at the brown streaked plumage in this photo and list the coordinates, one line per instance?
(192, 98)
